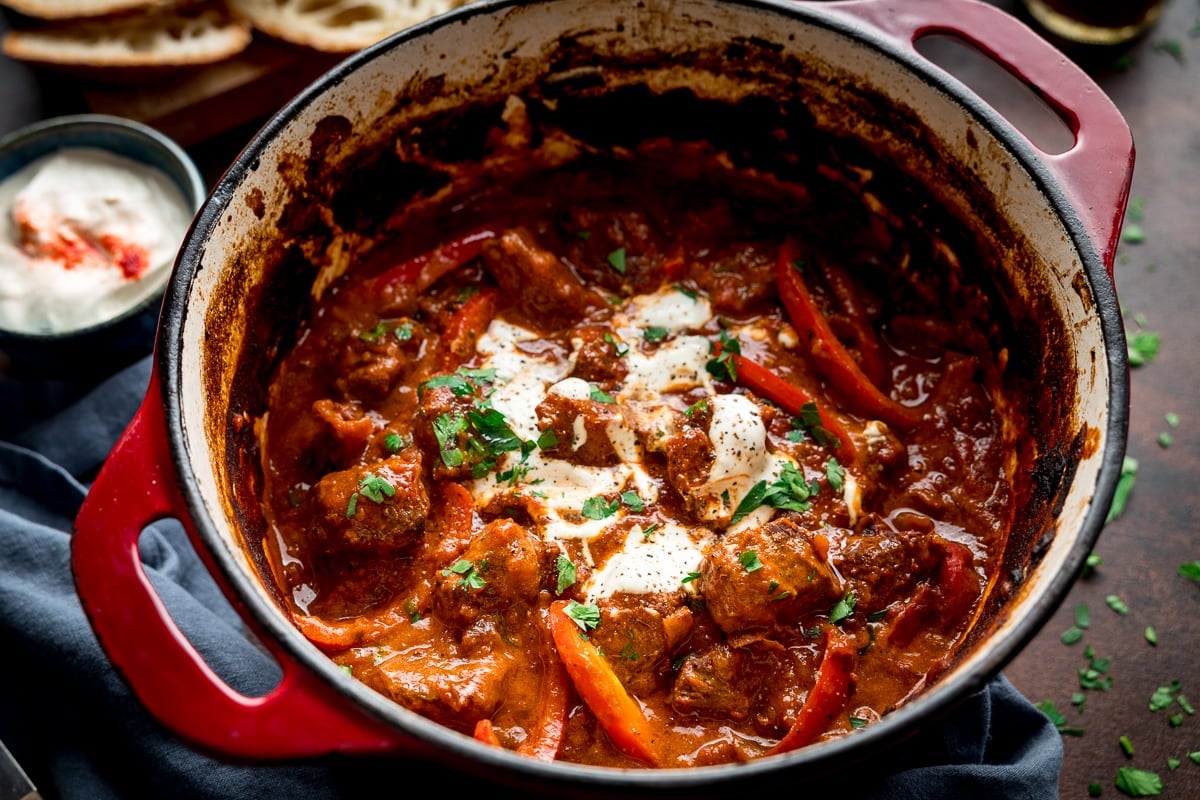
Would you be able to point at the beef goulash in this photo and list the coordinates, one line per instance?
(644, 459)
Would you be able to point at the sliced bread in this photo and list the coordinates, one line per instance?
(68, 9)
(161, 37)
(338, 26)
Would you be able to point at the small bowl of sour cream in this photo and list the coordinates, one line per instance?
(93, 209)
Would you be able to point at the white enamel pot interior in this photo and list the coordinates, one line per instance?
(238, 286)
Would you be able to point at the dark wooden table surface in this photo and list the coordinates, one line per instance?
(1156, 84)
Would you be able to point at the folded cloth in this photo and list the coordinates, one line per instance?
(75, 726)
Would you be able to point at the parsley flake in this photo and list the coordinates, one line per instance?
(844, 608)
(1138, 782)
(616, 260)
(655, 334)
(599, 395)
(587, 617)
(633, 501)
(749, 561)
(469, 577)
(566, 574)
(1129, 468)
(599, 508)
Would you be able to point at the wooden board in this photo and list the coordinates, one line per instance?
(196, 105)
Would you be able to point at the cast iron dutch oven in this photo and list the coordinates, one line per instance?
(1049, 222)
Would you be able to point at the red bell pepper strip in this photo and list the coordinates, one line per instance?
(466, 325)
(829, 694)
(484, 732)
(546, 737)
(870, 355)
(828, 353)
(617, 712)
(947, 597)
(424, 270)
(790, 397)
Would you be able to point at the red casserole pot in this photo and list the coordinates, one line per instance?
(1049, 221)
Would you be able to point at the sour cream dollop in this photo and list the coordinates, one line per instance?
(84, 236)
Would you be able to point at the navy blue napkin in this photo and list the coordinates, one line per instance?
(77, 729)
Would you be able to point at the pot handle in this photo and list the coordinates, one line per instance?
(299, 718)
(1096, 172)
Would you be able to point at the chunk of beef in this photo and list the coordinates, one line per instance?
(884, 568)
(747, 676)
(501, 567)
(442, 430)
(689, 458)
(442, 679)
(794, 578)
(350, 427)
(581, 428)
(596, 358)
(637, 634)
(545, 289)
(374, 361)
(623, 229)
(738, 279)
(380, 505)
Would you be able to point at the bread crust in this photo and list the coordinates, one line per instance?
(163, 36)
(338, 26)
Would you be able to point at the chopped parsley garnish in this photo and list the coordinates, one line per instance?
(810, 420)
(655, 334)
(446, 428)
(619, 347)
(410, 608)
(749, 561)
(587, 617)
(1129, 468)
(633, 501)
(1090, 564)
(375, 488)
(1083, 616)
(547, 439)
(1151, 636)
(789, 492)
(1126, 745)
(1071, 635)
(1191, 569)
(1138, 782)
(352, 506)
(469, 577)
(376, 333)
(598, 394)
(835, 473)
(1132, 233)
(686, 292)
(698, 407)
(1060, 722)
(1094, 789)
(1172, 419)
(463, 382)
(1093, 675)
(1116, 604)
(722, 366)
(566, 574)
(857, 722)
(616, 260)
(1143, 347)
(844, 608)
(599, 508)
(394, 442)
(691, 576)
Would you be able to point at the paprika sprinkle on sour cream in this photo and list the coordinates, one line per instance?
(84, 236)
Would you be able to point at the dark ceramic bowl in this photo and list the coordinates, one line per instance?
(131, 331)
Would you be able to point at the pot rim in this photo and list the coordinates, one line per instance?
(823, 757)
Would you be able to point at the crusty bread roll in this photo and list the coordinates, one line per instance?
(167, 36)
(67, 9)
(338, 26)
